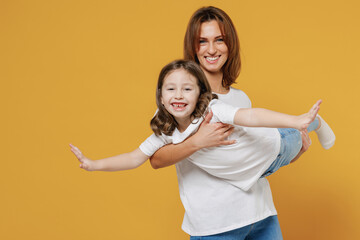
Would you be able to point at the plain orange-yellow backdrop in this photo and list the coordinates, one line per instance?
(84, 72)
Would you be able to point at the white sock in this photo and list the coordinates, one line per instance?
(325, 135)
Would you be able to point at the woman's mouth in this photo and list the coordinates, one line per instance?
(212, 59)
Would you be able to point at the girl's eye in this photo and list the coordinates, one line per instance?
(202, 41)
(220, 40)
(170, 89)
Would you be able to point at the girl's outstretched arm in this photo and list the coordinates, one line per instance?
(259, 117)
(208, 135)
(120, 162)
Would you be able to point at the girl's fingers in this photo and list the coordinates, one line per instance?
(316, 107)
(314, 110)
(77, 155)
(75, 149)
(317, 104)
(77, 152)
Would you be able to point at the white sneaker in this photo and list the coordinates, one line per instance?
(325, 135)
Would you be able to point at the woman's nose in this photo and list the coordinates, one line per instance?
(212, 48)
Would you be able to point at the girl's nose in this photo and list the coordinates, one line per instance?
(178, 94)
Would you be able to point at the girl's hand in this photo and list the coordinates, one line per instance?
(307, 118)
(85, 163)
(212, 134)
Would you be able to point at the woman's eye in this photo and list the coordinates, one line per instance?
(188, 89)
(202, 41)
(220, 40)
(170, 89)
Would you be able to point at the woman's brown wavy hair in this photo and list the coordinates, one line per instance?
(231, 68)
(163, 121)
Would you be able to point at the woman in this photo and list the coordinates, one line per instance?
(213, 207)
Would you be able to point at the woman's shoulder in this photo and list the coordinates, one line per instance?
(236, 97)
(235, 91)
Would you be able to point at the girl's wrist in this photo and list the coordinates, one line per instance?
(298, 123)
(96, 165)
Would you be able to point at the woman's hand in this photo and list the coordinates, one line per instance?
(208, 135)
(212, 134)
(307, 118)
(85, 163)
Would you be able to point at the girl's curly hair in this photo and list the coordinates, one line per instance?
(163, 121)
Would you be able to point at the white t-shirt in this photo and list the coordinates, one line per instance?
(242, 163)
(213, 205)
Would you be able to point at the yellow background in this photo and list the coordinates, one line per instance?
(84, 72)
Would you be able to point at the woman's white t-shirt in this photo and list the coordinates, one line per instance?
(214, 205)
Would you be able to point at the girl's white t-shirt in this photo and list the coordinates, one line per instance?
(241, 163)
(212, 204)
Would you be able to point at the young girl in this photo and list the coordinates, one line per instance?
(183, 96)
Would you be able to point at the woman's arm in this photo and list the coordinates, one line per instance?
(259, 117)
(120, 162)
(208, 135)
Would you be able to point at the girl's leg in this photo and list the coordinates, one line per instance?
(290, 146)
(291, 143)
(323, 131)
(325, 135)
(314, 125)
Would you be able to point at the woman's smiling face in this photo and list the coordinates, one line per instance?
(213, 52)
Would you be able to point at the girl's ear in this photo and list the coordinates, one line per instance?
(162, 102)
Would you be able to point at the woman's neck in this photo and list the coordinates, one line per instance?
(215, 81)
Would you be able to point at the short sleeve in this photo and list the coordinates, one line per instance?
(223, 112)
(153, 143)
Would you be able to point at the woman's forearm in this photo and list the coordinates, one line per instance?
(208, 135)
(173, 153)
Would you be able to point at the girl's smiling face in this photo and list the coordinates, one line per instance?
(179, 95)
(213, 52)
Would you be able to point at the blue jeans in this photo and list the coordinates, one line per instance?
(291, 144)
(267, 229)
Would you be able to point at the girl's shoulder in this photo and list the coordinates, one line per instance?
(222, 111)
